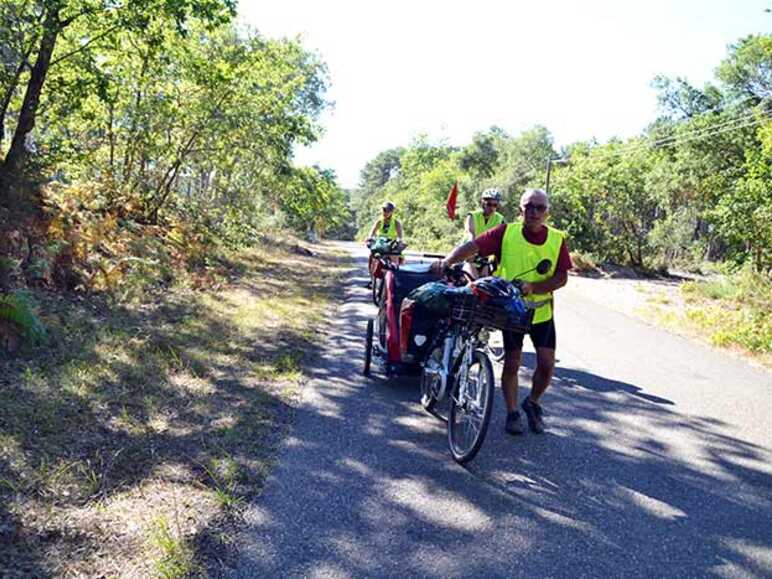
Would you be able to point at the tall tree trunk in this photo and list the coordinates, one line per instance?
(17, 154)
(6, 102)
(131, 150)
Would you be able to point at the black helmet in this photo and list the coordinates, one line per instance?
(388, 206)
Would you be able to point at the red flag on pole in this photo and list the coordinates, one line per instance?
(451, 204)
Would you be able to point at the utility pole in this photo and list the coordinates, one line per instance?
(550, 162)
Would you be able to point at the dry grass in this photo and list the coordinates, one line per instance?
(132, 438)
(731, 321)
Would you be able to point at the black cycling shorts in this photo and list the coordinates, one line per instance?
(542, 336)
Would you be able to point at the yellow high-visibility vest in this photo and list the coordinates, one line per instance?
(390, 230)
(518, 255)
(481, 225)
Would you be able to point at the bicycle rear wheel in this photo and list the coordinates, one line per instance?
(368, 348)
(471, 404)
(428, 401)
(377, 290)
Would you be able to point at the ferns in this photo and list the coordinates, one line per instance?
(16, 308)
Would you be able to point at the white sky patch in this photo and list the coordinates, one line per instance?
(451, 68)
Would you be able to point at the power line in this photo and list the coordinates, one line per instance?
(742, 122)
(695, 134)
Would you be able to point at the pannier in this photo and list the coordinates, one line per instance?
(398, 284)
(421, 313)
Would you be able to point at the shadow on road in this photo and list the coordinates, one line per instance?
(622, 484)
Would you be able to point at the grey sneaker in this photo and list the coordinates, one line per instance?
(513, 424)
(533, 412)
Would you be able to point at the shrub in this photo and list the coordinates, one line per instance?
(583, 262)
(17, 310)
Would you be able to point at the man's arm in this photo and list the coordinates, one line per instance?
(374, 229)
(557, 281)
(399, 231)
(460, 253)
(469, 226)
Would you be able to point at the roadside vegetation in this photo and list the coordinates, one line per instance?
(730, 311)
(156, 312)
(691, 193)
(133, 432)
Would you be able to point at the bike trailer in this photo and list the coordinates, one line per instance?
(420, 317)
(397, 285)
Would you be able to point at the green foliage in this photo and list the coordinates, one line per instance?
(176, 560)
(747, 71)
(166, 130)
(744, 213)
(18, 308)
(695, 186)
(734, 310)
(314, 201)
(420, 180)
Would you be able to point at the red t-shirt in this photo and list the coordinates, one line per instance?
(489, 243)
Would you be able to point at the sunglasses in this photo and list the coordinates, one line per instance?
(490, 203)
(536, 208)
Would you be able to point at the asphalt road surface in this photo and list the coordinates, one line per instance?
(657, 461)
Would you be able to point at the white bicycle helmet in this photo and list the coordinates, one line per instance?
(494, 194)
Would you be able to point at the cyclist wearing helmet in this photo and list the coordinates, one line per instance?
(519, 247)
(485, 218)
(480, 221)
(387, 225)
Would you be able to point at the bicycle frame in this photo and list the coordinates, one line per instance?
(458, 346)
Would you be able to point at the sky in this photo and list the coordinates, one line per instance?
(449, 69)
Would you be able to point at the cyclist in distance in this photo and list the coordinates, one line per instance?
(387, 226)
(480, 221)
(519, 247)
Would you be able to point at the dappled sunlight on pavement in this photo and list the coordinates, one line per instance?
(625, 482)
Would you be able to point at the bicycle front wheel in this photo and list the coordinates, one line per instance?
(471, 403)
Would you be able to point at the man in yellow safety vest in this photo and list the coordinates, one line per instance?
(519, 247)
(485, 218)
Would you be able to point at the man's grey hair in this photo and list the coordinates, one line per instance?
(528, 192)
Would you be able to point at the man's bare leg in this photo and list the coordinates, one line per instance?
(509, 383)
(542, 376)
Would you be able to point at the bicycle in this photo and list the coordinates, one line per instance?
(382, 250)
(458, 368)
(493, 339)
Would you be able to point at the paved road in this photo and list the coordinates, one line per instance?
(657, 462)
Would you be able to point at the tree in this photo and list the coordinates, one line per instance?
(680, 100)
(480, 159)
(105, 18)
(747, 71)
(384, 166)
